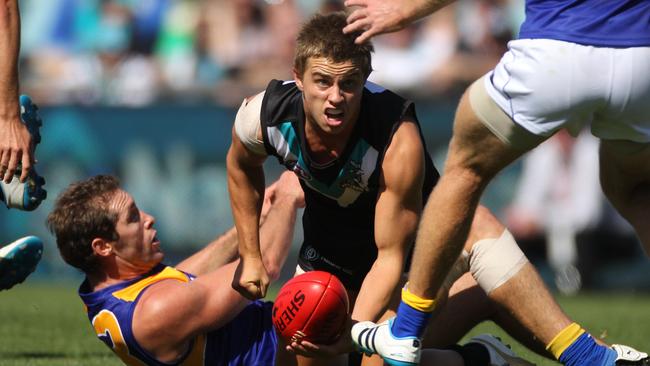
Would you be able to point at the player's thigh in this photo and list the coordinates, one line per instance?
(474, 146)
(625, 174)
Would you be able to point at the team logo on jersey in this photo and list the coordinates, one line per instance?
(311, 254)
(353, 178)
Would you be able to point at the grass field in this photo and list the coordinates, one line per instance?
(46, 325)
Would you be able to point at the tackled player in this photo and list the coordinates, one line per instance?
(153, 314)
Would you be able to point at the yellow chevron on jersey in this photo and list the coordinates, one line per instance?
(246, 340)
(131, 293)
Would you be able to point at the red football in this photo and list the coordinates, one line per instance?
(312, 306)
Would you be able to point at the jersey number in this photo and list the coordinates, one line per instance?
(108, 330)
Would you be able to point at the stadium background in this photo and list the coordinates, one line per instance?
(148, 89)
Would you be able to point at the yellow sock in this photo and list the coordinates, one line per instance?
(416, 302)
(564, 339)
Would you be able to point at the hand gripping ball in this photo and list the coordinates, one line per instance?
(312, 306)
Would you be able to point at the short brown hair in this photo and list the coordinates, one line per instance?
(80, 215)
(322, 36)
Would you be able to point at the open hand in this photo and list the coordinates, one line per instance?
(373, 17)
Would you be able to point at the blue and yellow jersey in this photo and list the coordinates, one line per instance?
(248, 339)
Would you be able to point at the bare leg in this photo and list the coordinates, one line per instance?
(466, 307)
(528, 311)
(524, 306)
(475, 156)
(625, 179)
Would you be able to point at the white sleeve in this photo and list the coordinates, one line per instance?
(248, 124)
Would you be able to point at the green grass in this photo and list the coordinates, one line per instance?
(46, 325)
(615, 318)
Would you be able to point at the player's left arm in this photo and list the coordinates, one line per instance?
(396, 218)
(16, 145)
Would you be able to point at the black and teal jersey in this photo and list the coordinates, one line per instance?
(247, 340)
(338, 221)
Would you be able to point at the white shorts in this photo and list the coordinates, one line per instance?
(544, 85)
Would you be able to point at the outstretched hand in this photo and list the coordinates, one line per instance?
(251, 279)
(373, 17)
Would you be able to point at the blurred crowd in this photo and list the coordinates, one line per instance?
(138, 52)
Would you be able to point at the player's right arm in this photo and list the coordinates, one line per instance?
(170, 313)
(16, 145)
(374, 17)
(246, 188)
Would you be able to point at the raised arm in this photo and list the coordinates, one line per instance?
(172, 313)
(396, 217)
(16, 145)
(374, 17)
